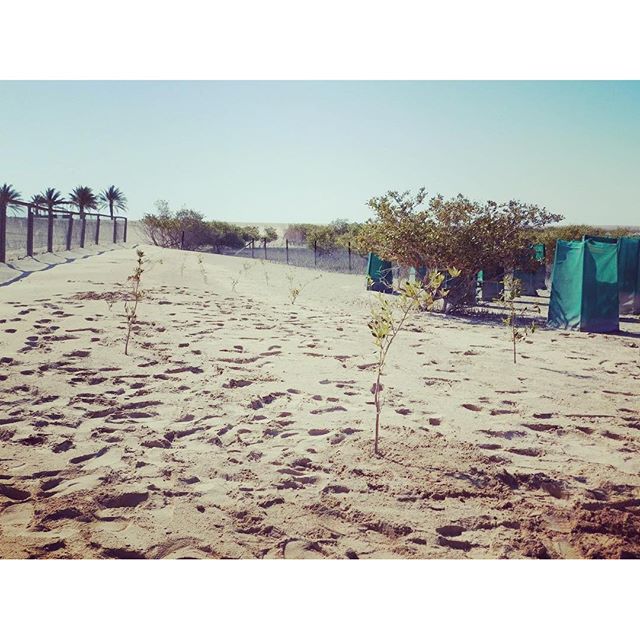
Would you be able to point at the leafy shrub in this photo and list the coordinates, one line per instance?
(418, 231)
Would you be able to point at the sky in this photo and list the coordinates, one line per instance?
(315, 151)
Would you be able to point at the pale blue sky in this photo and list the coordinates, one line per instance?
(315, 151)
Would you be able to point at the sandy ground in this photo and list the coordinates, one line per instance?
(240, 425)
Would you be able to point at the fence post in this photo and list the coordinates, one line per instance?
(253, 248)
(83, 228)
(349, 247)
(97, 229)
(115, 230)
(3, 233)
(315, 253)
(69, 231)
(265, 248)
(287, 249)
(50, 230)
(30, 232)
(124, 235)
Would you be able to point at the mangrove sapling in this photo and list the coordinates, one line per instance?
(203, 273)
(131, 305)
(295, 288)
(264, 272)
(387, 319)
(511, 291)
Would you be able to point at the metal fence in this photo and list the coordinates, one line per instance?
(28, 229)
(339, 259)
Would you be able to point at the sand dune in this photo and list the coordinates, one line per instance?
(240, 425)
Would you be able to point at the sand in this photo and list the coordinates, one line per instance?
(240, 425)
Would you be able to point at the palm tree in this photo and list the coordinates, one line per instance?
(114, 199)
(8, 198)
(85, 200)
(50, 198)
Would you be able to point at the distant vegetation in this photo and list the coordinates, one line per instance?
(188, 229)
(324, 237)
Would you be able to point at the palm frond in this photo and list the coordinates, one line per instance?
(8, 195)
(83, 198)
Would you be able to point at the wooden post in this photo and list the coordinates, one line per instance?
(315, 253)
(265, 248)
(349, 247)
(124, 235)
(50, 230)
(253, 248)
(83, 228)
(287, 250)
(69, 231)
(115, 230)
(3, 233)
(97, 229)
(30, 232)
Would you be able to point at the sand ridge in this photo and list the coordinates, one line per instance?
(240, 426)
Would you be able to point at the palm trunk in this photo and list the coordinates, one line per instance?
(83, 227)
(111, 208)
(50, 229)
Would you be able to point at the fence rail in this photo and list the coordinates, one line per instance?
(29, 229)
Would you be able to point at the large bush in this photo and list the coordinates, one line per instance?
(437, 233)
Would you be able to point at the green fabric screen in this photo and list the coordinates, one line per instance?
(628, 271)
(380, 274)
(584, 288)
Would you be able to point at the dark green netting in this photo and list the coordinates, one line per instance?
(380, 274)
(535, 279)
(584, 288)
(490, 281)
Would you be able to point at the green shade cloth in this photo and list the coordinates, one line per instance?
(380, 274)
(584, 288)
(628, 271)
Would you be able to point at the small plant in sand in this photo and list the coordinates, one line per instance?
(507, 300)
(264, 272)
(131, 305)
(388, 317)
(203, 273)
(296, 287)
